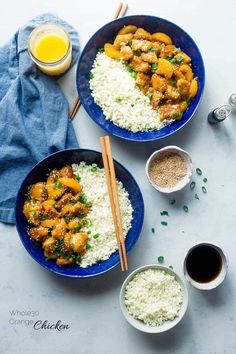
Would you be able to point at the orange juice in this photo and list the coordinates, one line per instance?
(50, 49)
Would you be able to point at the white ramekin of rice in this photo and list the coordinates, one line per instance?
(183, 181)
(140, 324)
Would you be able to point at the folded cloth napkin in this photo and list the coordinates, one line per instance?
(33, 114)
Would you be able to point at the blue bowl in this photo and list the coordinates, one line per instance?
(58, 160)
(107, 34)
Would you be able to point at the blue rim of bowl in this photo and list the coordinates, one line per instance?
(115, 134)
(45, 265)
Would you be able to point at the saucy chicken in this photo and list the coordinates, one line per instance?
(56, 212)
(162, 71)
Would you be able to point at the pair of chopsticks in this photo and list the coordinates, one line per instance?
(114, 199)
(119, 12)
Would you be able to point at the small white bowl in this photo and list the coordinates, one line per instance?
(215, 282)
(181, 184)
(140, 325)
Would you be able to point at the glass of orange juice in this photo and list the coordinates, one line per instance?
(50, 48)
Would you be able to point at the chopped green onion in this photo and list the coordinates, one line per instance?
(88, 246)
(57, 184)
(192, 185)
(177, 115)
(67, 219)
(67, 257)
(96, 235)
(91, 75)
(33, 212)
(129, 69)
(172, 60)
(175, 50)
(73, 256)
(134, 74)
(88, 205)
(164, 212)
(205, 180)
(173, 82)
(27, 196)
(199, 171)
(78, 178)
(173, 201)
(129, 43)
(154, 66)
(101, 50)
(189, 100)
(79, 259)
(160, 259)
(149, 94)
(88, 232)
(118, 99)
(171, 267)
(77, 228)
(94, 169)
(44, 217)
(180, 58)
(132, 104)
(82, 197)
(165, 223)
(153, 230)
(153, 49)
(196, 196)
(185, 207)
(204, 189)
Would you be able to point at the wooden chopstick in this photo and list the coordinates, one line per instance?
(117, 10)
(109, 187)
(123, 10)
(118, 13)
(114, 200)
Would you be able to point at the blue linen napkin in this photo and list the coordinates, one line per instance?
(33, 113)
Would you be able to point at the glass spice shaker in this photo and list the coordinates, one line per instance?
(232, 101)
(220, 114)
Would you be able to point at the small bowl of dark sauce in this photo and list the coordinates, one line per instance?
(205, 266)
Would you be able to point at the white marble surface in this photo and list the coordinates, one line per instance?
(91, 306)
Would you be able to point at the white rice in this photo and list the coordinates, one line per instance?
(95, 189)
(153, 296)
(115, 91)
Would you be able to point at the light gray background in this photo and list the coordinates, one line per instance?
(91, 306)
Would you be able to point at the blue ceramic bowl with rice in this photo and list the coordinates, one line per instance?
(58, 160)
(107, 34)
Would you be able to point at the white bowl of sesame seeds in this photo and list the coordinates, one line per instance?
(169, 169)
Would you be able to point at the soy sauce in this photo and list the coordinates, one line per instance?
(204, 263)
